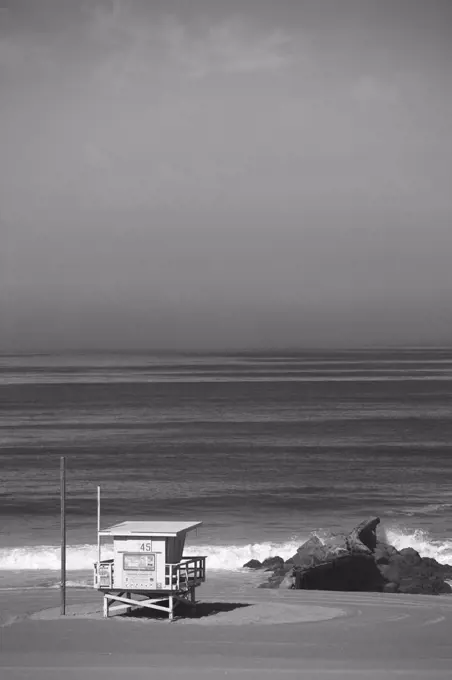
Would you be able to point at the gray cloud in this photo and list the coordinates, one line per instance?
(228, 47)
(196, 49)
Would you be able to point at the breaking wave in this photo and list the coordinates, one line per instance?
(82, 557)
(420, 540)
(47, 557)
(219, 557)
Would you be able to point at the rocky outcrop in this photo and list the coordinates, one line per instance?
(357, 561)
(273, 563)
(413, 574)
(253, 564)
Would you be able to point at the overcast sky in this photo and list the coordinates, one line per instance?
(240, 173)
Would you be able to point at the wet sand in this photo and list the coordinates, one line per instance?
(278, 634)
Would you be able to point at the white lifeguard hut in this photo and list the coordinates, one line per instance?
(148, 568)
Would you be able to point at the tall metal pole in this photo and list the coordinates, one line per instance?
(98, 527)
(63, 533)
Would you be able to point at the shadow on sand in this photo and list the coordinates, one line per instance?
(183, 611)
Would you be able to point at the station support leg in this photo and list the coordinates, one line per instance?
(105, 606)
(127, 604)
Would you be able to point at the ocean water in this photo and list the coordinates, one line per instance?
(264, 449)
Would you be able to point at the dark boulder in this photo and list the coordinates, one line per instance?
(272, 563)
(277, 577)
(310, 553)
(347, 573)
(362, 540)
(383, 552)
(401, 567)
(411, 556)
(335, 544)
(253, 564)
(443, 570)
(415, 574)
(364, 537)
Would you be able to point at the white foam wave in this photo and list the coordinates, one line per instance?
(422, 541)
(219, 557)
(47, 557)
(232, 557)
(82, 557)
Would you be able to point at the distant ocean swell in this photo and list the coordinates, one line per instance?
(220, 557)
(128, 378)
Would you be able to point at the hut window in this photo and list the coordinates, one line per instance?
(139, 562)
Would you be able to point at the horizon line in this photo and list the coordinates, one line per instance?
(226, 352)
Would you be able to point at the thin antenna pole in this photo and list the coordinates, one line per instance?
(98, 526)
(63, 533)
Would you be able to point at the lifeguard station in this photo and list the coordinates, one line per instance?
(148, 567)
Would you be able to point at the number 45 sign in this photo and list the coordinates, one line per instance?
(146, 547)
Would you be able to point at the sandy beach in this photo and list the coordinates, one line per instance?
(243, 634)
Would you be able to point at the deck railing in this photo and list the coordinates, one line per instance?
(188, 572)
(104, 574)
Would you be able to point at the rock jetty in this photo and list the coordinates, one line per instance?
(357, 561)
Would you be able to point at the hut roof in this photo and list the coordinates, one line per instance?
(146, 528)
